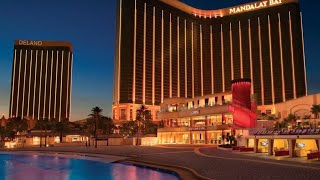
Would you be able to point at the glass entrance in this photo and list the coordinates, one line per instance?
(198, 137)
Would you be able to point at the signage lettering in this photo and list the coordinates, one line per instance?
(195, 112)
(197, 129)
(289, 132)
(253, 6)
(30, 43)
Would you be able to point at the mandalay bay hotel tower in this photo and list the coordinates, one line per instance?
(167, 49)
(41, 80)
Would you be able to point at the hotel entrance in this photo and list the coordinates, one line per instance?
(198, 137)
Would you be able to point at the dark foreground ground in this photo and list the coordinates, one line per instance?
(205, 162)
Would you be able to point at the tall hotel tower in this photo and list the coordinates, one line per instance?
(41, 80)
(167, 49)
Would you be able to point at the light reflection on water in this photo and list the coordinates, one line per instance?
(39, 167)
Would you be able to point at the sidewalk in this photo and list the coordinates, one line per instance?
(282, 158)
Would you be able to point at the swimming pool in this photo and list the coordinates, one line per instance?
(39, 167)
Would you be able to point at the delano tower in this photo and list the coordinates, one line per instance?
(41, 80)
(167, 49)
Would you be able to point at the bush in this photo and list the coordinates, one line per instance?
(226, 145)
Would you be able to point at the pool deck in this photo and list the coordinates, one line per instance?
(197, 162)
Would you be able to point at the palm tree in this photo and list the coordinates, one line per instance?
(43, 124)
(315, 110)
(96, 115)
(60, 127)
(292, 118)
(143, 117)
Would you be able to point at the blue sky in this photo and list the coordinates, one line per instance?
(90, 26)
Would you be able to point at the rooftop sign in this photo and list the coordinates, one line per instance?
(227, 11)
(30, 43)
(43, 43)
(254, 6)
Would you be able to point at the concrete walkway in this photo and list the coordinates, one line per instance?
(205, 162)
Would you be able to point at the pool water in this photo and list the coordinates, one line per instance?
(39, 167)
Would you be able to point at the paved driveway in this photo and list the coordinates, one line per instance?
(209, 161)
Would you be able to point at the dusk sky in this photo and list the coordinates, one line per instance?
(90, 26)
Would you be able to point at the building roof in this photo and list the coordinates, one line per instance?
(42, 43)
(225, 11)
(43, 133)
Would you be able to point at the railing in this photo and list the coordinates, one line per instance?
(194, 108)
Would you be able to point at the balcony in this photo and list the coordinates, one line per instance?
(202, 111)
(195, 128)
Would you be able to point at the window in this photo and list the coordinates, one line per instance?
(123, 114)
(206, 102)
(114, 114)
(130, 114)
(268, 111)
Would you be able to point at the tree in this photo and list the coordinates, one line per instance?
(292, 119)
(95, 116)
(150, 128)
(44, 124)
(60, 127)
(129, 128)
(315, 110)
(143, 118)
(16, 125)
(3, 134)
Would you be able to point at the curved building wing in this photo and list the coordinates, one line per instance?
(167, 49)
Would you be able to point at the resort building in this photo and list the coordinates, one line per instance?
(41, 80)
(208, 119)
(166, 49)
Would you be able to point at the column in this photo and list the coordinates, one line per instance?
(292, 144)
(191, 125)
(256, 143)
(270, 147)
(205, 132)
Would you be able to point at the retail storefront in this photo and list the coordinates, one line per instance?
(293, 143)
(195, 135)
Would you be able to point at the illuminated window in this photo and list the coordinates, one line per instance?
(131, 114)
(36, 140)
(57, 139)
(123, 114)
(268, 111)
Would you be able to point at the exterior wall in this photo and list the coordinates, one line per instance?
(41, 80)
(164, 51)
(125, 112)
(297, 146)
(300, 106)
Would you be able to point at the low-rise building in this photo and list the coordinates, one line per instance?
(207, 119)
